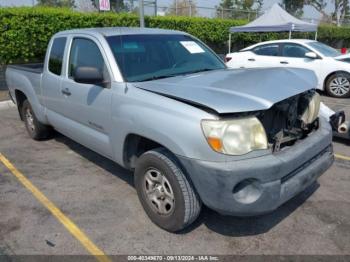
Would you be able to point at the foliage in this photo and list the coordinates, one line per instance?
(294, 7)
(238, 8)
(183, 8)
(25, 32)
(341, 9)
(56, 3)
(319, 5)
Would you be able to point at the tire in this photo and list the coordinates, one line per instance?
(177, 212)
(338, 85)
(35, 129)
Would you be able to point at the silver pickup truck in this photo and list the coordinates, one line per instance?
(163, 104)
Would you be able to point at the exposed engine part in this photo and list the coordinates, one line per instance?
(337, 119)
(344, 128)
(313, 102)
(291, 119)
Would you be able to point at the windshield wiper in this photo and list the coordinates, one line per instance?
(157, 77)
(178, 74)
(200, 70)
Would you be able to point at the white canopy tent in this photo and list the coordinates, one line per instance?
(275, 20)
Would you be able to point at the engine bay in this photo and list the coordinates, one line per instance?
(286, 122)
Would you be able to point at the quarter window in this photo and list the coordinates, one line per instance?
(293, 50)
(85, 53)
(56, 55)
(267, 50)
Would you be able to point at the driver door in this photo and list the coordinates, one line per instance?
(87, 107)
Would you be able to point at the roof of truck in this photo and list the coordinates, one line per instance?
(109, 31)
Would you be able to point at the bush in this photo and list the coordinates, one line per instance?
(27, 31)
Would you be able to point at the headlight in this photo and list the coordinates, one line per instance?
(312, 110)
(235, 137)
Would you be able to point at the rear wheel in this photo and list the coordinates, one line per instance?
(165, 193)
(35, 129)
(338, 85)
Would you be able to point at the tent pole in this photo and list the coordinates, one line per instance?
(229, 43)
(290, 34)
(316, 35)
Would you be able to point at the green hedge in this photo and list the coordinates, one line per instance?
(26, 31)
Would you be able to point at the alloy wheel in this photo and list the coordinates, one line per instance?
(339, 86)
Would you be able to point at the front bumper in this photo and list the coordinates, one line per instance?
(259, 185)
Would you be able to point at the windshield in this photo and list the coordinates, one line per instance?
(148, 57)
(325, 49)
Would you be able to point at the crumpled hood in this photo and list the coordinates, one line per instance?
(234, 91)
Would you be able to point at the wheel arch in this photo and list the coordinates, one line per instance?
(20, 98)
(135, 145)
(332, 74)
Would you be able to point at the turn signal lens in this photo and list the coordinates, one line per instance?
(215, 143)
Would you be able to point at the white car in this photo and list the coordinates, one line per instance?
(332, 68)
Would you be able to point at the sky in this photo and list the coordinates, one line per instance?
(309, 12)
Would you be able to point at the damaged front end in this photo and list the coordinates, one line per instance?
(291, 119)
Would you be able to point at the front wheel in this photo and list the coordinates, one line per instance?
(338, 85)
(165, 193)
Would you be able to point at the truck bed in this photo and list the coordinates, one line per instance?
(37, 68)
(26, 78)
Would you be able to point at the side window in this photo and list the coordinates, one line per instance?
(267, 50)
(293, 50)
(56, 55)
(85, 53)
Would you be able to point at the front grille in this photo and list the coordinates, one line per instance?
(283, 123)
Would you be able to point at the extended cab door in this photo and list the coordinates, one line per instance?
(87, 107)
(52, 78)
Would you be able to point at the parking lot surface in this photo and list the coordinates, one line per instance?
(99, 197)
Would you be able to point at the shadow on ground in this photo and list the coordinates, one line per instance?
(343, 141)
(225, 225)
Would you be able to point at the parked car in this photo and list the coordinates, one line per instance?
(344, 58)
(162, 104)
(333, 75)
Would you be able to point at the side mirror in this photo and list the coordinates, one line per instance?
(88, 75)
(311, 55)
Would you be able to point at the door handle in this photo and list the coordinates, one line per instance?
(66, 92)
(251, 59)
(284, 62)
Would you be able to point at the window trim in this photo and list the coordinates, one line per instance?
(63, 57)
(297, 44)
(69, 51)
(259, 46)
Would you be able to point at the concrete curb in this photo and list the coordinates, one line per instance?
(6, 104)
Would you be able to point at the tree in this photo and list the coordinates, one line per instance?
(85, 6)
(57, 3)
(341, 9)
(294, 7)
(183, 8)
(319, 5)
(238, 9)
